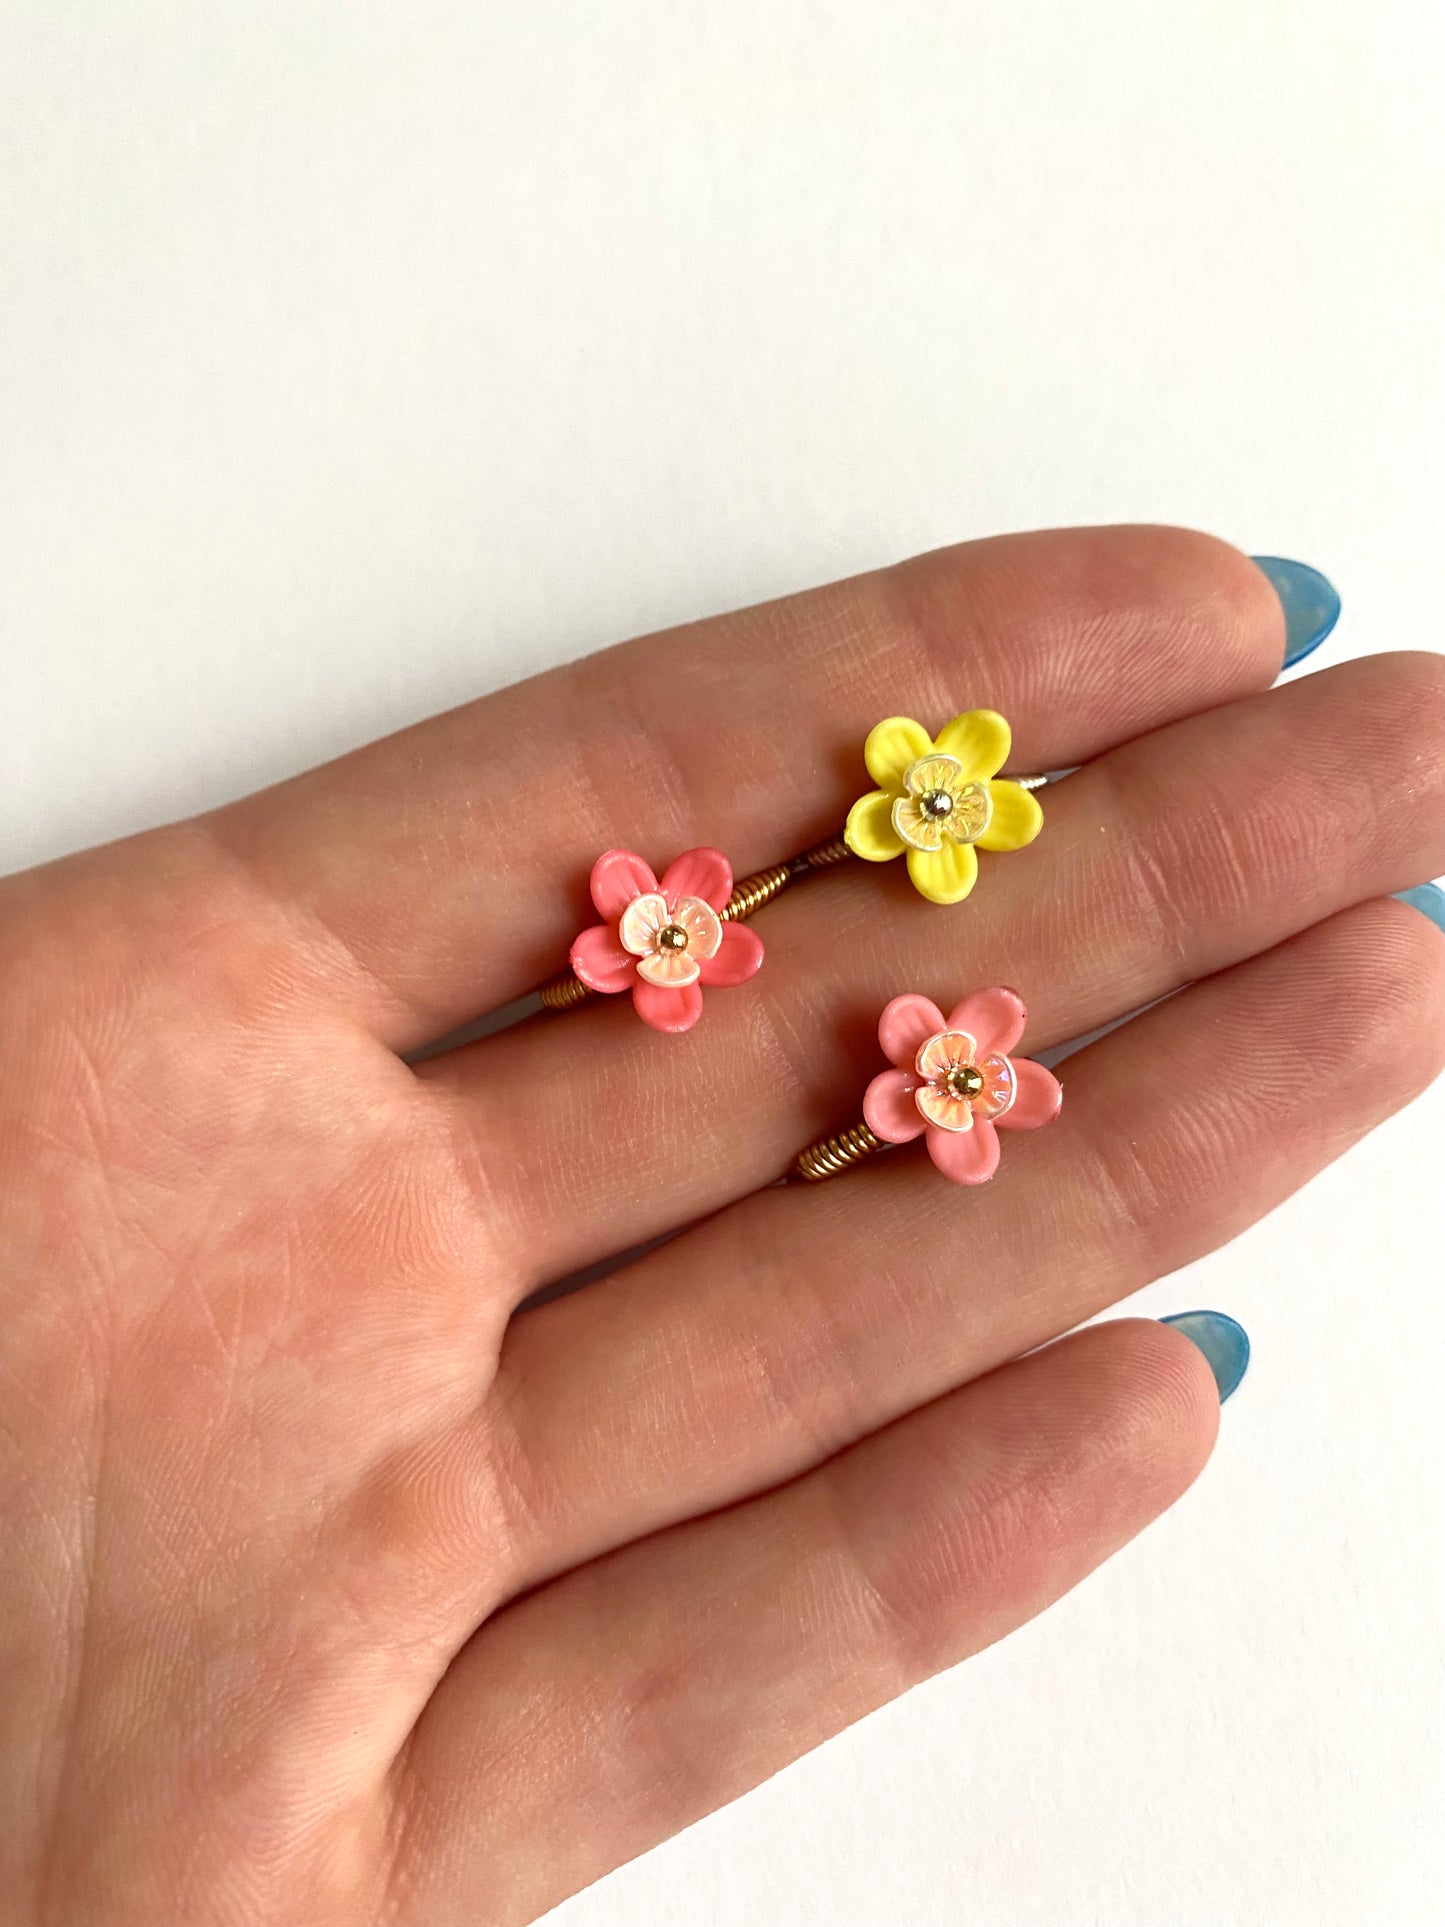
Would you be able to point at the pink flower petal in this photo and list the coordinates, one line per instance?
(640, 922)
(701, 925)
(670, 968)
(889, 1109)
(968, 1157)
(996, 1018)
(941, 1053)
(669, 1010)
(1038, 1100)
(908, 1022)
(739, 956)
(704, 873)
(617, 877)
(600, 961)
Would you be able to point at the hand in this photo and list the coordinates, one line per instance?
(336, 1592)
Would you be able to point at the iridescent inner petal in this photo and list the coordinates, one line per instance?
(669, 969)
(971, 814)
(701, 925)
(937, 1055)
(940, 1107)
(1000, 1087)
(915, 825)
(934, 772)
(641, 922)
(938, 801)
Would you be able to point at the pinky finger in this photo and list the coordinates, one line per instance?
(616, 1705)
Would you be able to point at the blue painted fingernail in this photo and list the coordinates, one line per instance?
(1311, 604)
(1428, 899)
(1223, 1341)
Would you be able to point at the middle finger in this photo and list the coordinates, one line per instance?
(1172, 857)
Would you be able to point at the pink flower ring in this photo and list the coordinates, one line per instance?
(665, 940)
(955, 1081)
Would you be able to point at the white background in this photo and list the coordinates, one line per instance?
(357, 358)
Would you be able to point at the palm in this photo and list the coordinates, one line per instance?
(335, 1591)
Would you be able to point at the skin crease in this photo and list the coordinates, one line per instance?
(335, 1589)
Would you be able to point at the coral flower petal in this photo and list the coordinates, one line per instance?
(968, 1157)
(669, 967)
(869, 831)
(704, 873)
(739, 956)
(905, 1026)
(600, 961)
(946, 875)
(941, 1052)
(617, 877)
(700, 924)
(640, 923)
(980, 739)
(944, 1111)
(667, 1009)
(889, 1110)
(893, 747)
(1038, 1100)
(995, 1017)
(1016, 819)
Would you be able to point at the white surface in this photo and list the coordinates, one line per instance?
(356, 358)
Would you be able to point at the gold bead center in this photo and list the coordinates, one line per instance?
(964, 1080)
(670, 937)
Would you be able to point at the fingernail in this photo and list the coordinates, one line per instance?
(1428, 899)
(1311, 604)
(1223, 1341)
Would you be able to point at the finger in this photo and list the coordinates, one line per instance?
(596, 1717)
(443, 871)
(782, 1330)
(1172, 857)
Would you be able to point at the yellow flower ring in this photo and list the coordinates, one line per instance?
(941, 800)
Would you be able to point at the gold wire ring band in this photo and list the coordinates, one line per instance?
(565, 992)
(834, 1154)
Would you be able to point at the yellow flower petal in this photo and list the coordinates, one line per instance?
(893, 746)
(869, 832)
(946, 875)
(1016, 820)
(980, 739)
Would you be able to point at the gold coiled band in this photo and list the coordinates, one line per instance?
(835, 1154)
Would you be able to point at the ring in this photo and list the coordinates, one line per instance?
(954, 1081)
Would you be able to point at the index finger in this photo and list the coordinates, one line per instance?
(442, 871)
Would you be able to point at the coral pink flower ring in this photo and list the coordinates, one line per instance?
(664, 941)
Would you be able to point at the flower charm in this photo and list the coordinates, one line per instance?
(955, 1081)
(664, 941)
(936, 800)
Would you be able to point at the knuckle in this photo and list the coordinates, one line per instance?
(1226, 592)
(1216, 568)
(1399, 979)
(1409, 715)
